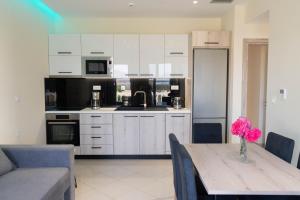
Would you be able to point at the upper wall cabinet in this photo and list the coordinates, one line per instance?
(176, 45)
(64, 45)
(152, 56)
(211, 39)
(126, 56)
(97, 45)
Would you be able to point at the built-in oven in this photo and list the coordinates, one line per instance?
(97, 66)
(63, 129)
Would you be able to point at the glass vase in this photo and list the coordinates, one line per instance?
(243, 150)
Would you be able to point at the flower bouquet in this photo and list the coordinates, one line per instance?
(242, 127)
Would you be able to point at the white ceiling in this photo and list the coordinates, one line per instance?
(142, 8)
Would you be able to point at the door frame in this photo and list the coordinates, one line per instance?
(246, 44)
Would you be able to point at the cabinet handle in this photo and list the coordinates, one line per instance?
(95, 116)
(211, 42)
(176, 53)
(65, 72)
(96, 137)
(64, 52)
(131, 74)
(131, 116)
(176, 74)
(177, 116)
(97, 52)
(96, 127)
(96, 147)
(147, 74)
(147, 116)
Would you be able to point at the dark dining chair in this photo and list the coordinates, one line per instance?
(280, 146)
(174, 144)
(205, 133)
(298, 165)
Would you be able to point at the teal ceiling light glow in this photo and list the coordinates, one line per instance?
(45, 9)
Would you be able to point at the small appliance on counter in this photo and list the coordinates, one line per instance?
(126, 101)
(177, 103)
(95, 102)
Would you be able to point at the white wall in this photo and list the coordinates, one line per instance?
(136, 25)
(23, 64)
(235, 21)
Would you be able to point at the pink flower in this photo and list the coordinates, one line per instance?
(240, 126)
(252, 135)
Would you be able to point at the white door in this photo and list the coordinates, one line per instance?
(176, 67)
(65, 65)
(152, 134)
(152, 56)
(64, 45)
(126, 56)
(176, 45)
(126, 134)
(97, 45)
(178, 124)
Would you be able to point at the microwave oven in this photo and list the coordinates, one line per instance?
(97, 66)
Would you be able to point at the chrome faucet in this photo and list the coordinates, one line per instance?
(145, 98)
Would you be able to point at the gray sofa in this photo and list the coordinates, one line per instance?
(41, 173)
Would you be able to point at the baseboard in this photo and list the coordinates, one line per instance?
(134, 157)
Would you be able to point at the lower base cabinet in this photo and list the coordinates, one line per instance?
(126, 134)
(96, 149)
(179, 125)
(152, 134)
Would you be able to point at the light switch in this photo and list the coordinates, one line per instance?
(284, 94)
(123, 87)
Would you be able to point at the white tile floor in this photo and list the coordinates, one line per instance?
(124, 180)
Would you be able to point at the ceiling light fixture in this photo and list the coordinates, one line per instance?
(195, 2)
(131, 4)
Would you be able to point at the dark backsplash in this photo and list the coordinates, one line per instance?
(75, 93)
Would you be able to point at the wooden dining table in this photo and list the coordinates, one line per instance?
(223, 173)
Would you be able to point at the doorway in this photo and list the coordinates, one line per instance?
(255, 69)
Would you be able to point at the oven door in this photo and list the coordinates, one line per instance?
(63, 132)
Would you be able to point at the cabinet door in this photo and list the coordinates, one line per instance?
(65, 65)
(178, 124)
(152, 56)
(176, 45)
(176, 67)
(126, 134)
(126, 56)
(152, 134)
(200, 38)
(97, 45)
(211, 39)
(64, 45)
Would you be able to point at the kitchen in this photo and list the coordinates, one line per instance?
(106, 92)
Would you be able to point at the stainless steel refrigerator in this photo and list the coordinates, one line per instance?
(210, 93)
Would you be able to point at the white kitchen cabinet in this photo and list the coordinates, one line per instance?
(126, 134)
(126, 55)
(152, 134)
(65, 66)
(176, 45)
(96, 118)
(96, 149)
(176, 67)
(152, 56)
(178, 124)
(65, 45)
(97, 45)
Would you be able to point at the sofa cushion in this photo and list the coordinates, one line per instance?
(5, 164)
(34, 184)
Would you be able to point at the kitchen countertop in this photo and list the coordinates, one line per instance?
(112, 110)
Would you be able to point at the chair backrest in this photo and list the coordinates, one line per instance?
(174, 144)
(298, 166)
(188, 190)
(280, 146)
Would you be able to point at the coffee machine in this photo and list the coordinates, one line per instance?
(95, 102)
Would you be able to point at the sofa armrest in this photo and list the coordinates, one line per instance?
(40, 156)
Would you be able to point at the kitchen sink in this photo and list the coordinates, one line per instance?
(123, 108)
